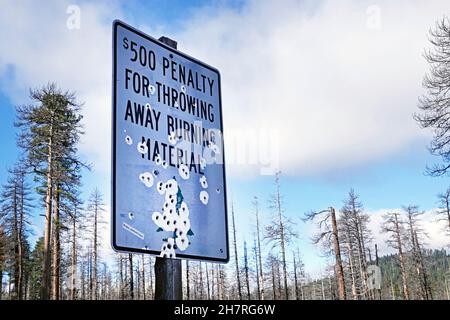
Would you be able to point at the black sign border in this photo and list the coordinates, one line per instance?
(116, 24)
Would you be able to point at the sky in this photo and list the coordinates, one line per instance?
(322, 90)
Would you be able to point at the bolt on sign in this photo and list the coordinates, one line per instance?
(168, 186)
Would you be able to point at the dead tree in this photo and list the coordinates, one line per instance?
(247, 281)
(236, 257)
(328, 237)
(435, 104)
(393, 226)
(280, 231)
(413, 215)
(258, 237)
(130, 266)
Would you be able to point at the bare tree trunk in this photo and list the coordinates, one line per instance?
(1, 281)
(258, 235)
(15, 234)
(94, 267)
(401, 258)
(238, 278)
(337, 253)
(352, 272)
(428, 295)
(322, 288)
(273, 282)
(57, 245)
(213, 293)
(258, 287)
(188, 293)
(151, 277)
(332, 291)
(130, 258)
(207, 282)
(19, 239)
(376, 262)
(73, 291)
(295, 278)
(143, 276)
(247, 281)
(279, 281)
(282, 236)
(219, 283)
(362, 255)
(202, 290)
(46, 284)
(447, 292)
(122, 293)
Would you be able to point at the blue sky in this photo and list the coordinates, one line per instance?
(342, 122)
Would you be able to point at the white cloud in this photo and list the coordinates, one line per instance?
(338, 92)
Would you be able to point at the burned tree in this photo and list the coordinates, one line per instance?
(328, 237)
(394, 227)
(435, 104)
(280, 231)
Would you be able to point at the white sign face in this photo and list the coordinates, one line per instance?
(168, 186)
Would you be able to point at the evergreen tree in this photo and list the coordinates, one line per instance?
(15, 208)
(50, 130)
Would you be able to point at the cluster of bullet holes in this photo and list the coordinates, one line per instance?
(174, 218)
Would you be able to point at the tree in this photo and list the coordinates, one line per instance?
(16, 210)
(444, 208)
(236, 257)
(413, 214)
(357, 237)
(328, 236)
(393, 226)
(35, 265)
(50, 130)
(75, 216)
(259, 268)
(131, 285)
(435, 103)
(280, 232)
(95, 208)
(2, 256)
(247, 281)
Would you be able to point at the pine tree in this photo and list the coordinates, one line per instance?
(2, 255)
(50, 131)
(434, 105)
(16, 211)
(75, 216)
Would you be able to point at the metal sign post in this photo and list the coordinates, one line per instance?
(168, 272)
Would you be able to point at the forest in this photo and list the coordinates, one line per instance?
(66, 263)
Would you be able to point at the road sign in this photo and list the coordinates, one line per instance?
(168, 186)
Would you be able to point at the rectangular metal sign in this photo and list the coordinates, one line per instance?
(168, 171)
